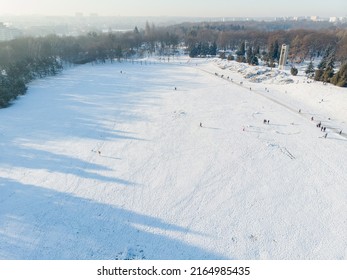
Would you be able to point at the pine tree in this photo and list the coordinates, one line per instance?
(242, 49)
(310, 69)
(330, 62)
(327, 54)
(274, 52)
(249, 55)
(340, 78)
(254, 60)
(213, 49)
(326, 66)
(257, 50)
(119, 53)
(205, 49)
(193, 51)
(318, 74)
(328, 74)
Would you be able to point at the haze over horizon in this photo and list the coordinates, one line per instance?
(182, 8)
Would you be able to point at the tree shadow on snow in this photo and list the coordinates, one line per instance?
(31, 158)
(38, 223)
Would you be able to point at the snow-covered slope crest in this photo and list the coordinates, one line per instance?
(170, 161)
(256, 74)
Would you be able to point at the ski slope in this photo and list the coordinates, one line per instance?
(109, 162)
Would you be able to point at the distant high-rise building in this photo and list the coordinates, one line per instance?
(8, 33)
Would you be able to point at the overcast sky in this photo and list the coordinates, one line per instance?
(191, 8)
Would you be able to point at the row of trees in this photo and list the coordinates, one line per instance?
(330, 44)
(304, 43)
(22, 61)
(203, 49)
(325, 71)
(25, 59)
(265, 45)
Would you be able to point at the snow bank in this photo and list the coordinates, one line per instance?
(256, 74)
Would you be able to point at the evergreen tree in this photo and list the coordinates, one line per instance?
(249, 55)
(326, 66)
(251, 59)
(328, 74)
(340, 78)
(193, 51)
(323, 63)
(327, 59)
(119, 52)
(274, 51)
(257, 50)
(213, 49)
(205, 49)
(310, 69)
(318, 74)
(242, 49)
(276, 54)
(330, 61)
(254, 60)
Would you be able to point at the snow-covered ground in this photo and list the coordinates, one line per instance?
(109, 162)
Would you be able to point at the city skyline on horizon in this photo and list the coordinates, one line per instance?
(177, 8)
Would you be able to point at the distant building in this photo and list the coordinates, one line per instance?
(338, 19)
(283, 58)
(8, 33)
(296, 18)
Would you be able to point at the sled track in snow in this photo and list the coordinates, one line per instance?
(302, 114)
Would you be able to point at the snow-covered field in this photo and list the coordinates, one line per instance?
(109, 162)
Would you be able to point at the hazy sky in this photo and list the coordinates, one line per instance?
(198, 8)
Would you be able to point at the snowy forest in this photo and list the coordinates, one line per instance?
(25, 59)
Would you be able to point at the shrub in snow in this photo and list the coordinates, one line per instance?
(231, 57)
(294, 71)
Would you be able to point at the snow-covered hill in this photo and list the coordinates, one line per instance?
(110, 162)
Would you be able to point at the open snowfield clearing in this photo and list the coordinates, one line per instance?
(109, 162)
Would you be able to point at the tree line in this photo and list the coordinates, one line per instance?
(25, 59)
(249, 45)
